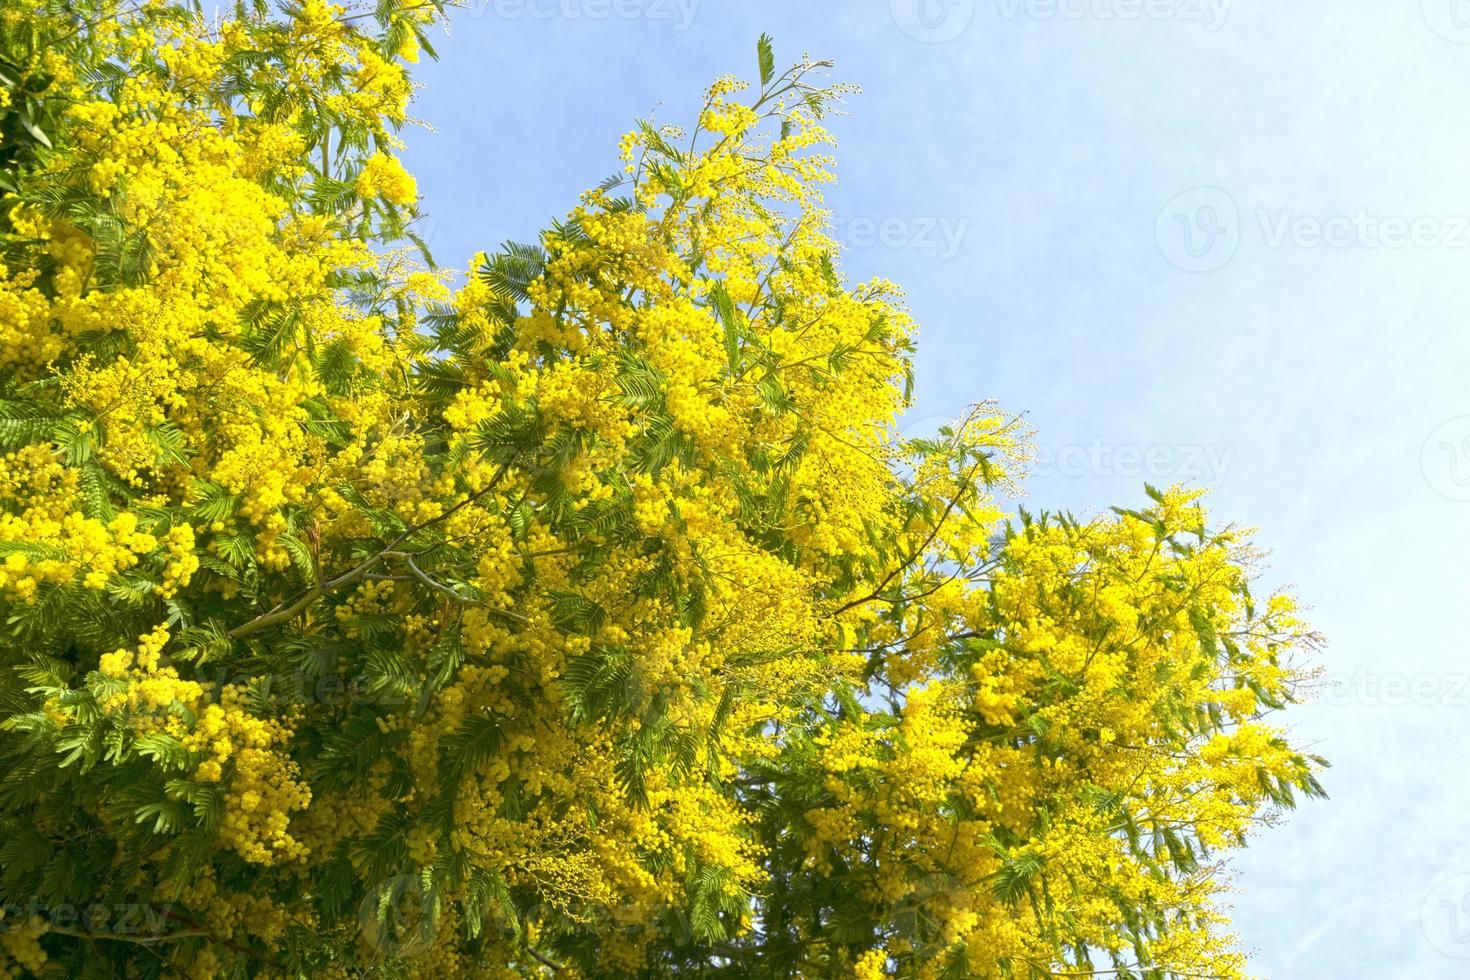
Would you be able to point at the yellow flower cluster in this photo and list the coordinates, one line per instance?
(599, 603)
(383, 176)
(265, 788)
(21, 954)
(1098, 679)
(54, 544)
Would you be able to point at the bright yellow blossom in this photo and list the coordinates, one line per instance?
(593, 617)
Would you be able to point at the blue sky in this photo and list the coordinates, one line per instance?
(1224, 242)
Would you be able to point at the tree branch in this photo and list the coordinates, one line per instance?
(286, 613)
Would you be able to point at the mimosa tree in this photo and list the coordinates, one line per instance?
(584, 615)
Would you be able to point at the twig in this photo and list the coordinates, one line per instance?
(283, 614)
(125, 937)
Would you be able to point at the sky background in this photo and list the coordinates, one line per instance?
(1214, 242)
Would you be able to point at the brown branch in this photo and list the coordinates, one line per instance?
(545, 961)
(125, 937)
(286, 613)
(933, 533)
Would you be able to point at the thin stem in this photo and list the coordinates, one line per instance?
(286, 613)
